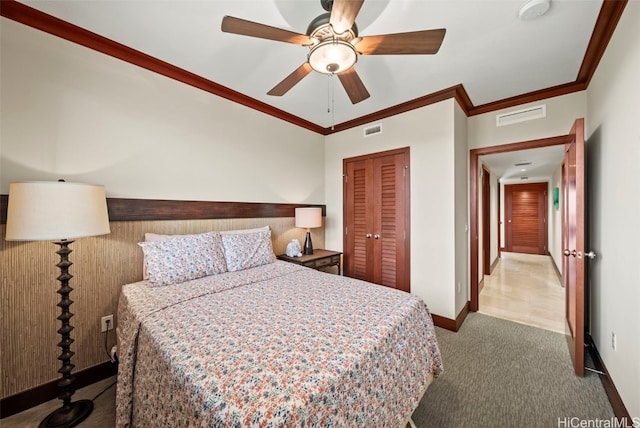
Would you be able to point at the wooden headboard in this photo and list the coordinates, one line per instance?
(157, 209)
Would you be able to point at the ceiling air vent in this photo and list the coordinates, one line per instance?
(530, 113)
(373, 130)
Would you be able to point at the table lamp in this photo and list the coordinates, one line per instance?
(308, 217)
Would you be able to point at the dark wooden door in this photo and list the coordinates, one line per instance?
(526, 218)
(376, 218)
(573, 266)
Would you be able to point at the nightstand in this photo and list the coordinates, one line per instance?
(319, 259)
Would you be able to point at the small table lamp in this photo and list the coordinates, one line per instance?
(307, 218)
(59, 211)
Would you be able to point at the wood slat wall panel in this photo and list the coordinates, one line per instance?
(101, 266)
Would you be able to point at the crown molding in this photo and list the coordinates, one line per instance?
(34, 18)
(608, 18)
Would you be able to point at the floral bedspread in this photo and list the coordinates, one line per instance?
(277, 345)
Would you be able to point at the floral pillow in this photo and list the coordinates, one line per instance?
(180, 258)
(150, 237)
(245, 249)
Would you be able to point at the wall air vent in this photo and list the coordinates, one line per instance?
(373, 130)
(524, 115)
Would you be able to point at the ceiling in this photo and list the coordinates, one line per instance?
(542, 163)
(487, 49)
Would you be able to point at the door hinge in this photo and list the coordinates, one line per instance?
(404, 170)
(345, 177)
(346, 230)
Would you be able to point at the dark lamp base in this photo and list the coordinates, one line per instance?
(308, 246)
(69, 415)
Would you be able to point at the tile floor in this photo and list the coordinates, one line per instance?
(524, 288)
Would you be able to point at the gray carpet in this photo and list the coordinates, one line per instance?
(499, 373)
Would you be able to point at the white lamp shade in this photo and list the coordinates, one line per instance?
(55, 210)
(309, 217)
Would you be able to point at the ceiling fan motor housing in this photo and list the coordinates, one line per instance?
(319, 28)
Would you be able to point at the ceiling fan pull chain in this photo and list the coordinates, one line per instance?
(331, 100)
(329, 93)
(333, 106)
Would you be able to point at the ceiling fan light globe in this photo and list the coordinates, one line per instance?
(332, 56)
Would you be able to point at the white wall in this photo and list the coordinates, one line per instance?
(613, 159)
(562, 111)
(430, 134)
(73, 113)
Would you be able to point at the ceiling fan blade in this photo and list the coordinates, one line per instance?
(262, 31)
(291, 80)
(343, 14)
(415, 42)
(353, 85)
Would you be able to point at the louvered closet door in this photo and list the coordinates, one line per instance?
(376, 218)
(358, 179)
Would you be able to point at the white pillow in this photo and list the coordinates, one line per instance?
(247, 248)
(180, 258)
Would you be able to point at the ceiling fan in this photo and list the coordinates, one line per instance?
(334, 45)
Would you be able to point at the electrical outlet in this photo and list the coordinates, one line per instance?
(106, 323)
(614, 345)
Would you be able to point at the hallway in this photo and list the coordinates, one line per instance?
(524, 288)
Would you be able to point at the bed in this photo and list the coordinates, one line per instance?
(256, 342)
